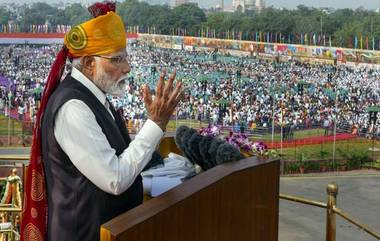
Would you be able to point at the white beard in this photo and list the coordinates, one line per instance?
(117, 89)
(103, 81)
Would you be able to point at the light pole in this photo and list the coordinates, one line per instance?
(9, 113)
(335, 117)
(282, 123)
(335, 121)
(321, 24)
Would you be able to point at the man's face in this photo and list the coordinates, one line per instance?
(110, 73)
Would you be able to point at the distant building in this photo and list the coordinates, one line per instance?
(260, 5)
(180, 2)
(244, 5)
(238, 5)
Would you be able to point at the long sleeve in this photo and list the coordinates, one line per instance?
(82, 139)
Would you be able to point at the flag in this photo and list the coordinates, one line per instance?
(330, 43)
(356, 42)
(361, 42)
(373, 43)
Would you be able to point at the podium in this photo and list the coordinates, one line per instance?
(236, 201)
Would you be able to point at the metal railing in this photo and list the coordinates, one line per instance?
(331, 211)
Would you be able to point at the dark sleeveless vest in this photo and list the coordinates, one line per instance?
(76, 207)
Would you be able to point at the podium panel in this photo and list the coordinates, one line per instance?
(232, 202)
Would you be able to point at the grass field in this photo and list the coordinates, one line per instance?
(322, 151)
(325, 151)
(14, 126)
(297, 134)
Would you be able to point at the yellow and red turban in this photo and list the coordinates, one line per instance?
(104, 34)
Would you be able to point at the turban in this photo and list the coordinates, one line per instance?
(104, 34)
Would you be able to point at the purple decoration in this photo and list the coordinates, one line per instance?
(211, 130)
(7, 83)
(238, 140)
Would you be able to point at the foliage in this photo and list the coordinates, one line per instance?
(375, 165)
(312, 166)
(355, 160)
(4, 15)
(323, 154)
(343, 24)
(302, 157)
(292, 167)
(333, 165)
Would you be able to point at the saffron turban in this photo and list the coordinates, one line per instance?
(102, 35)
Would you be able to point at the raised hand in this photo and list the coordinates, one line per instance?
(161, 107)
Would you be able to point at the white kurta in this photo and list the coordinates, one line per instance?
(83, 141)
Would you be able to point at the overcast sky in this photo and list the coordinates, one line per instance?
(369, 4)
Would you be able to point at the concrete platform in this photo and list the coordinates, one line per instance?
(358, 195)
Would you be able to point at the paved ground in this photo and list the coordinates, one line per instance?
(359, 195)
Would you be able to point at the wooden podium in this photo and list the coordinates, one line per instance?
(232, 202)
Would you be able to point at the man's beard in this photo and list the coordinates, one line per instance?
(107, 85)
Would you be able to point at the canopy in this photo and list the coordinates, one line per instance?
(373, 109)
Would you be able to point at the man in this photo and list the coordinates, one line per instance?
(92, 167)
(21, 111)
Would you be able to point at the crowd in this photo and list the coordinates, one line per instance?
(244, 92)
(23, 70)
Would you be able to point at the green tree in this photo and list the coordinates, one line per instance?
(188, 16)
(4, 15)
(342, 25)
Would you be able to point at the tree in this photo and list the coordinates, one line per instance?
(342, 25)
(4, 15)
(188, 16)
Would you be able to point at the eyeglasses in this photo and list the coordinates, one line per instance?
(118, 60)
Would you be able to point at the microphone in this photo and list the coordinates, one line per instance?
(206, 151)
(227, 153)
